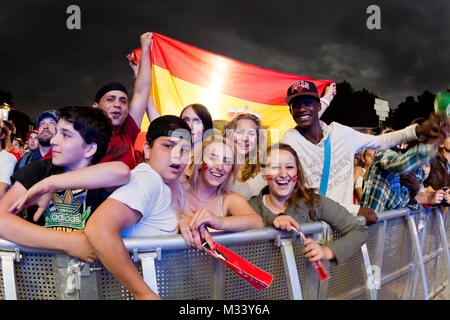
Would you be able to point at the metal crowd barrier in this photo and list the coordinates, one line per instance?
(406, 257)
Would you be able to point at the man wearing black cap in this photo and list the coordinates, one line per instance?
(46, 123)
(326, 152)
(126, 119)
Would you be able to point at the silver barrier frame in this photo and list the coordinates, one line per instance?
(147, 251)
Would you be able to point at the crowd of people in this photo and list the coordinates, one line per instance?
(81, 186)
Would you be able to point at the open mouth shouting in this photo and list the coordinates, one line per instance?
(175, 167)
(116, 114)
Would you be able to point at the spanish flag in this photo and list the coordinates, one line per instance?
(183, 74)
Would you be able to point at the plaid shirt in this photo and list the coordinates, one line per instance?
(382, 188)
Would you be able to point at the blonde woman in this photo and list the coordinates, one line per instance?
(207, 201)
(245, 130)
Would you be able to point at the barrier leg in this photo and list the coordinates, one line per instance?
(319, 289)
(9, 281)
(418, 257)
(372, 283)
(290, 269)
(381, 241)
(149, 269)
(421, 233)
(443, 235)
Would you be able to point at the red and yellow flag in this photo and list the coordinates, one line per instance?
(183, 74)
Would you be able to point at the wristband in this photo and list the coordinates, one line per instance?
(324, 100)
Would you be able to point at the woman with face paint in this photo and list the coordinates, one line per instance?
(289, 204)
(245, 130)
(206, 202)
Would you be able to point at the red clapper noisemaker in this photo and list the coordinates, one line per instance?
(258, 278)
(318, 265)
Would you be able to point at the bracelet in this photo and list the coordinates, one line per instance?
(325, 101)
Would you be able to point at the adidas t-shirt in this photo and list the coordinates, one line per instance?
(68, 210)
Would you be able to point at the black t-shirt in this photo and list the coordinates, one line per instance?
(68, 209)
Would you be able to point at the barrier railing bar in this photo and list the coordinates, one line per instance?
(443, 236)
(176, 242)
(418, 258)
(290, 269)
(393, 214)
(9, 282)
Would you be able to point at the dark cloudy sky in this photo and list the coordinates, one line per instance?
(44, 64)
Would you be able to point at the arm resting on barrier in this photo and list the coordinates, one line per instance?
(22, 232)
(103, 175)
(354, 234)
(103, 231)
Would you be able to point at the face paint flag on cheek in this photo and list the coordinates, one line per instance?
(294, 179)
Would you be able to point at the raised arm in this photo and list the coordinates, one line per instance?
(143, 83)
(330, 92)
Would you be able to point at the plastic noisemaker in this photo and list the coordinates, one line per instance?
(442, 103)
(318, 265)
(256, 277)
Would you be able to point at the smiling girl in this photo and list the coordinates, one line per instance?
(290, 203)
(246, 132)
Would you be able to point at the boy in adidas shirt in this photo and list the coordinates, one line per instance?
(61, 193)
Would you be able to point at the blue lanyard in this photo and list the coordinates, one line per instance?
(326, 167)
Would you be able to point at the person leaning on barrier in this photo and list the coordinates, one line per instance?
(290, 203)
(60, 193)
(394, 178)
(207, 201)
(438, 180)
(142, 208)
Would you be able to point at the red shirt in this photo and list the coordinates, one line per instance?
(121, 147)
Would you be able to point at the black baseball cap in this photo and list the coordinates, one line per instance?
(168, 126)
(302, 88)
(110, 87)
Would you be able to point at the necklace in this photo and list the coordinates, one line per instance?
(204, 201)
(268, 203)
